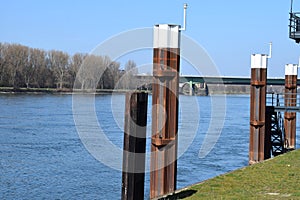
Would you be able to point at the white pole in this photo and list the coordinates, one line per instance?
(184, 17)
(270, 51)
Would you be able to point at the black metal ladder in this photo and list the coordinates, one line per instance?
(277, 131)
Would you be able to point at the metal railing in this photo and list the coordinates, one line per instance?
(294, 26)
(278, 101)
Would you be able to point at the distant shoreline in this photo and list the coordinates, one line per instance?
(11, 90)
(212, 90)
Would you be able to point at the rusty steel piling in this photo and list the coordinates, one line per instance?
(290, 100)
(166, 61)
(257, 107)
(133, 174)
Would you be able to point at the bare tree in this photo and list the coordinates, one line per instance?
(105, 73)
(111, 75)
(23, 66)
(17, 58)
(90, 72)
(28, 68)
(3, 64)
(115, 72)
(129, 75)
(59, 62)
(38, 64)
(76, 62)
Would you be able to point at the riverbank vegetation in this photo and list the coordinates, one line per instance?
(25, 67)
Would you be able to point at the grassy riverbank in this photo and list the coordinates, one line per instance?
(277, 178)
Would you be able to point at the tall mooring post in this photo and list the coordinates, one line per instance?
(258, 107)
(166, 61)
(133, 174)
(290, 99)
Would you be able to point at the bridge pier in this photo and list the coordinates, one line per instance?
(290, 99)
(258, 108)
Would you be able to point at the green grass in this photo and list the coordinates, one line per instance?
(277, 178)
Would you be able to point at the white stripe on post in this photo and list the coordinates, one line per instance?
(259, 61)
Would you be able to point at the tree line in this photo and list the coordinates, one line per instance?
(22, 66)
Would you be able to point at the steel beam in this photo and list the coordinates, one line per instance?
(290, 100)
(166, 61)
(257, 107)
(133, 174)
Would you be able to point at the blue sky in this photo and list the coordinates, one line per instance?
(230, 31)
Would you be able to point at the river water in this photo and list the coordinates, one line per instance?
(42, 156)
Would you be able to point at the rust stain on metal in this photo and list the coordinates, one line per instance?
(257, 115)
(290, 99)
(164, 121)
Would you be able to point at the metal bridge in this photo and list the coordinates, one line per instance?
(228, 80)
